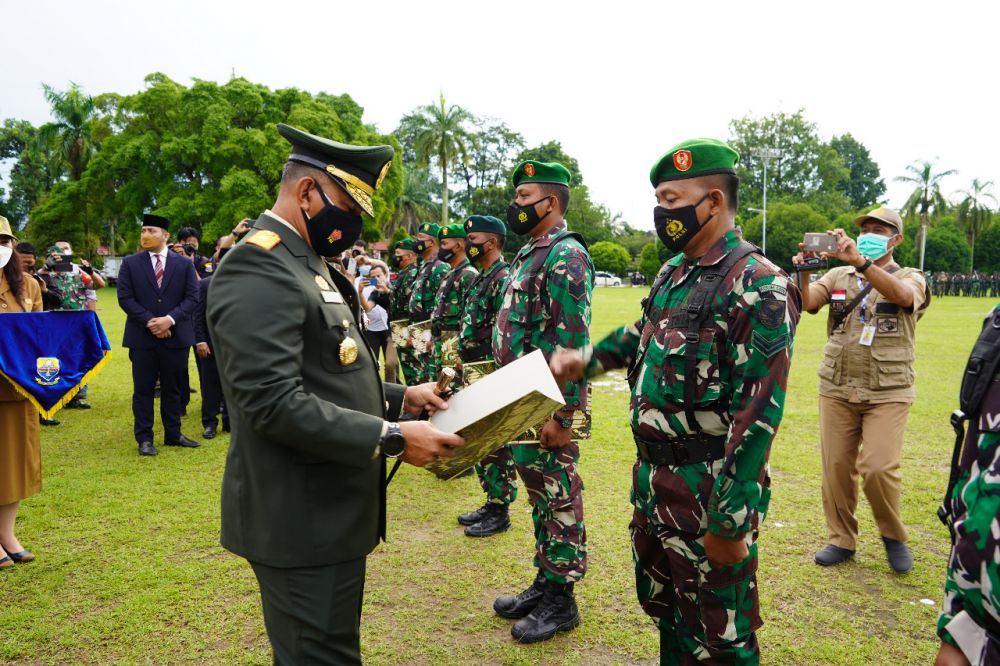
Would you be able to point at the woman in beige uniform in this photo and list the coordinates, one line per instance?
(20, 450)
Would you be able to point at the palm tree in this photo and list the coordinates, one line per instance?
(974, 213)
(926, 197)
(74, 114)
(415, 203)
(440, 133)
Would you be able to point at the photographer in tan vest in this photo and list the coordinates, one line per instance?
(866, 381)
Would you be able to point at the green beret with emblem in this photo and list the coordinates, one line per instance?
(430, 229)
(358, 169)
(694, 158)
(452, 231)
(531, 171)
(486, 223)
(408, 244)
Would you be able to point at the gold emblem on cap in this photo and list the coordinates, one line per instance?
(348, 348)
(444, 231)
(381, 175)
(321, 282)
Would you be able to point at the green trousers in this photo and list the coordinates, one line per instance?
(313, 614)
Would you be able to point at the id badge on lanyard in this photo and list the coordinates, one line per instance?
(868, 329)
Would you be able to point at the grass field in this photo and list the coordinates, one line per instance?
(129, 567)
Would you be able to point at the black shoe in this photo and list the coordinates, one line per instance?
(210, 431)
(192, 389)
(48, 422)
(521, 604)
(147, 449)
(898, 554)
(468, 472)
(76, 403)
(830, 555)
(225, 426)
(556, 612)
(183, 441)
(473, 517)
(496, 520)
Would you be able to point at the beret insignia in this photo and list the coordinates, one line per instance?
(682, 160)
(529, 169)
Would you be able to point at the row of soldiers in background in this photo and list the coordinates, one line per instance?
(959, 284)
(457, 304)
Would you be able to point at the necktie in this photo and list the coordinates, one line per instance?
(158, 270)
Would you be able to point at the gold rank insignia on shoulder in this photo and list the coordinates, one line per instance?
(265, 239)
(348, 348)
(321, 282)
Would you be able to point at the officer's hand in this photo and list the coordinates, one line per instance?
(567, 366)
(801, 257)
(554, 436)
(159, 325)
(202, 350)
(422, 396)
(724, 552)
(424, 443)
(949, 655)
(847, 249)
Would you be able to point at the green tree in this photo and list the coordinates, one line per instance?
(975, 212)
(864, 185)
(947, 249)
(925, 200)
(37, 164)
(440, 134)
(76, 127)
(415, 203)
(794, 172)
(649, 260)
(491, 158)
(988, 249)
(611, 257)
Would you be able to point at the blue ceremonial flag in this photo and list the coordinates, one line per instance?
(49, 356)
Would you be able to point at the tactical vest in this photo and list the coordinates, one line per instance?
(480, 347)
(883, 371)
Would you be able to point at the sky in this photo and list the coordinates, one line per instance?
(617, 84)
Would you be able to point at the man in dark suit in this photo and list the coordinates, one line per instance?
(158, 290)
(212, 402)
(303, 492)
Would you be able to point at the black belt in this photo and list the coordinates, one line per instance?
(683, 450)
(480, 352)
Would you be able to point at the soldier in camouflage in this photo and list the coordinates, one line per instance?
(450, 299)
(484, 242)
(69, 283)
(425, 288)
(406, 262)
(972, 585)
(546, 306)
(708, 364)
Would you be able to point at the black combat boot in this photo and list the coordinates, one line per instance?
(521, 604)
(473, 517)
(495, 521)
(556, 612)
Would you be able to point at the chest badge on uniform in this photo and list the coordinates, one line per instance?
(348, 348)
(321, 282)
(771, 313)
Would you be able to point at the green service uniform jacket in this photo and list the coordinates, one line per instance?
(302, 486)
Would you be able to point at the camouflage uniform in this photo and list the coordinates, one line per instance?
(447, 315)
(496, 472)
(546, 305)
(705, 612)
(402, 291)
(973, 580)
(425, 288)
(74, 292)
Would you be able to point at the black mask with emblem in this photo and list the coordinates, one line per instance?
(332, 230)
(677, 226)
(446, 255)
(522, 219)
(475, 251)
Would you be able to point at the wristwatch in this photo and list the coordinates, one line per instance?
(564, 421)
(392, 443)
(865, 266)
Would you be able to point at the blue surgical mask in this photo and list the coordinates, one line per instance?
(364, 270)
(873, 246)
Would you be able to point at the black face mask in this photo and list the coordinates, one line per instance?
(332, 230)
(394, 261)
(446, 255)
(475, 251)
(522, 219)
(677, 226)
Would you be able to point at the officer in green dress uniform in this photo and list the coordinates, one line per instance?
(303, 492)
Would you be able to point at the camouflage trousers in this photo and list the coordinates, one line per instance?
(706, 614)
(555, 491)
(408, 365)
(498, 477)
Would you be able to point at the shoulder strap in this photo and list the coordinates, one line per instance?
(698, 310)
(545, 259)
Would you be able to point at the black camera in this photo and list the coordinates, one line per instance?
(810, 264)
(189, 249)
(59, 264)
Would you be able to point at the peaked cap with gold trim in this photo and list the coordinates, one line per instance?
(358, 169)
